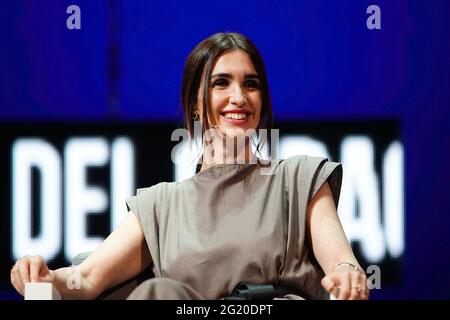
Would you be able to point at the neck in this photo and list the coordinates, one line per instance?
(227, 151)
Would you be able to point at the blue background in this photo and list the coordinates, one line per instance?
(323, 63)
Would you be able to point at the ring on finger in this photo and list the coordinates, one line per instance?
(357, 287)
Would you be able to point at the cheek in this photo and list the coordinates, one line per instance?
(214, 98)
(256, 101)
(217, 101)
(255, 98)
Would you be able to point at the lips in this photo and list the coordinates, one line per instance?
(235, 116)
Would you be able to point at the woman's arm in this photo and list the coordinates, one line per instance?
(123, 255)
(330, 247)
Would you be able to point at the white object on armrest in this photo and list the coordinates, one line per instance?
(41, 291)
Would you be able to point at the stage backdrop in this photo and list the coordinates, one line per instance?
(89, 99)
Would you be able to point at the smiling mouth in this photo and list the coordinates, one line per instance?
(235, 116)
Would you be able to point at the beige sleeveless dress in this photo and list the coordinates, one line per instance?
(232, 223)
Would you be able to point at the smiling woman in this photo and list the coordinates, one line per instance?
(235, 106)
(232, 228)
(236, 98)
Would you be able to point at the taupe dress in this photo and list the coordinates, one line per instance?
(229, 224)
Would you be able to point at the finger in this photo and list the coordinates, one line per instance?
(344, 290)
(356, 286)
(36, 264)
(18, 283)
(14, 280)
(331, 285)
(366, 291)
(45, 275)
(364, 295)
(24, 272)
(335, 293)
(328, 284)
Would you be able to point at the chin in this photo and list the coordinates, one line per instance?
(236, 131)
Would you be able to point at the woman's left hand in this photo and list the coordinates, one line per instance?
(346, 284)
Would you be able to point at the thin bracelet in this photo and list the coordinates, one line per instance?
(347, 264)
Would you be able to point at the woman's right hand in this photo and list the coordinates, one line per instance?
(29, 269)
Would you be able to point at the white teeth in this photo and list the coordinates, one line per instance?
(238, 116)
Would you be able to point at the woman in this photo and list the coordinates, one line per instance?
(230, 223)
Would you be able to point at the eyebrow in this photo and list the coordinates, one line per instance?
(229, 76)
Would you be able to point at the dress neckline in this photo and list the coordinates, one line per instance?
(228, 167)
(224, 166)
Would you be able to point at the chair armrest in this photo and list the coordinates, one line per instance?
(41, 291)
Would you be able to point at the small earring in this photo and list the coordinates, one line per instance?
(196, 116)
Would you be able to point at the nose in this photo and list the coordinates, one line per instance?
(237, 97)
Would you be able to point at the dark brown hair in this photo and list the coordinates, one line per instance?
(201, 60)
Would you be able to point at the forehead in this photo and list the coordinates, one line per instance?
(236, 61)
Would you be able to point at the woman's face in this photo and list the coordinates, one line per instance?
(235, 96)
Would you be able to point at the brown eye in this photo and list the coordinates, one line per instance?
(253, 84)
(220, 83)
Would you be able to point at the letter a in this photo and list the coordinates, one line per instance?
(374, 281)
(373, 21)
(74, 20)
